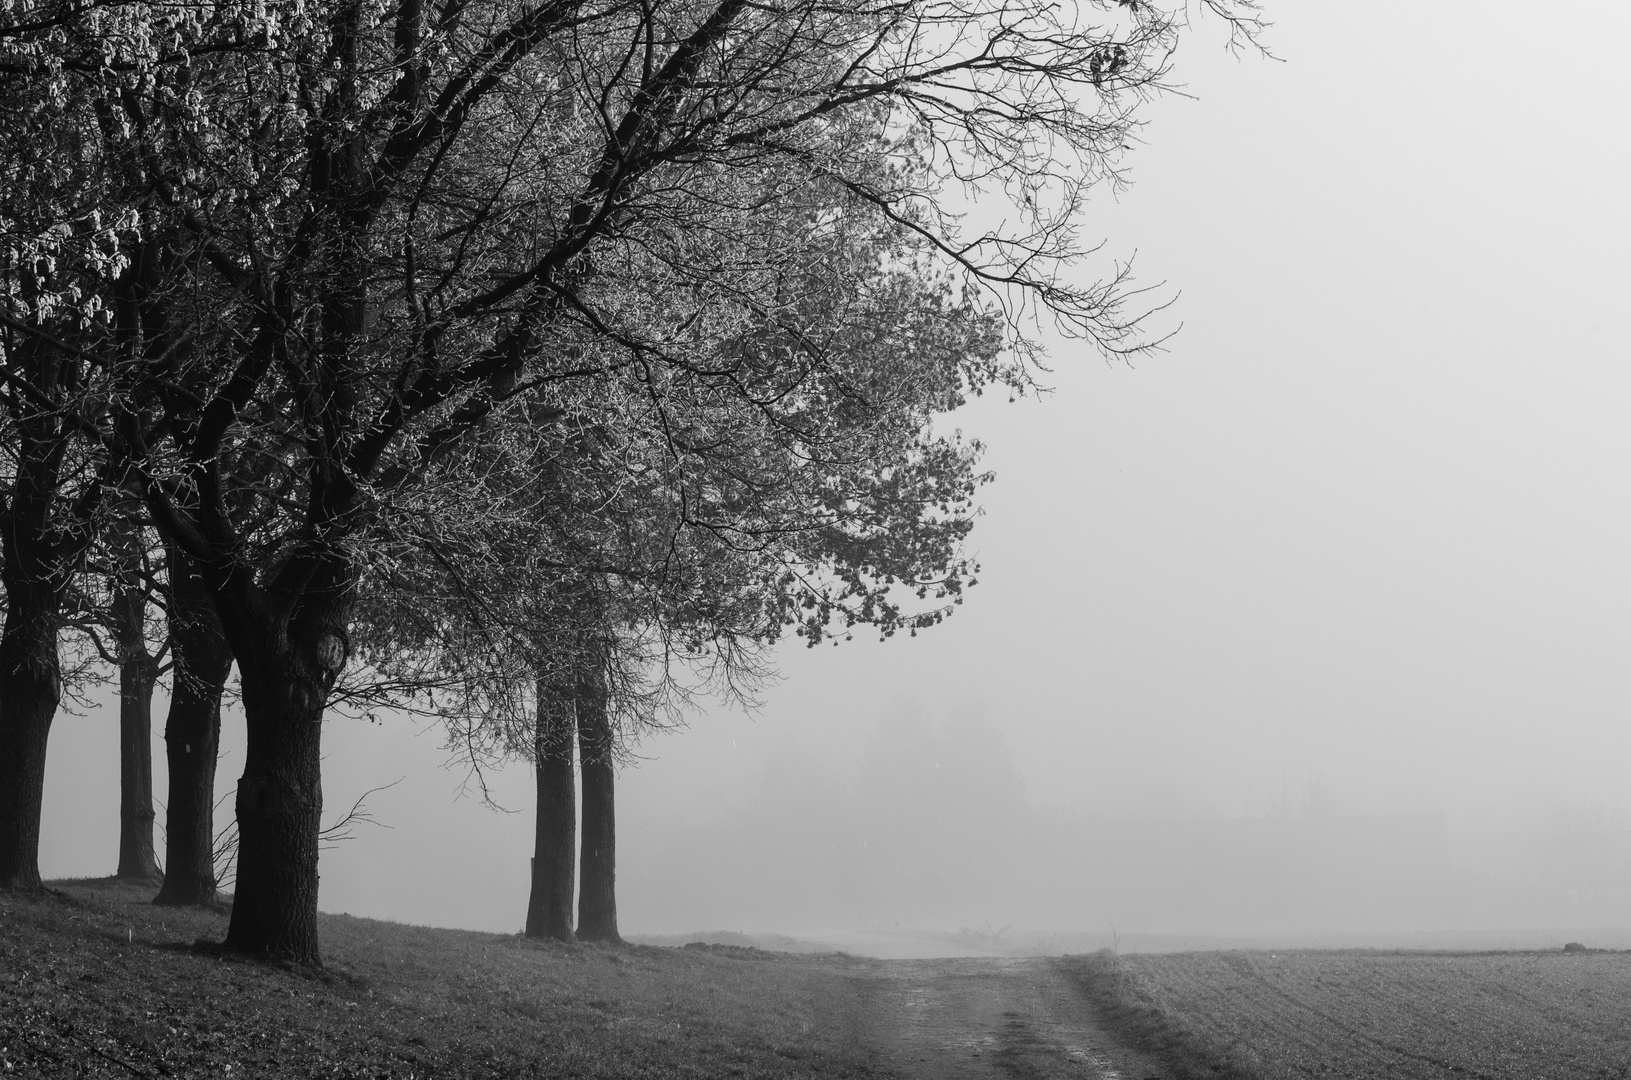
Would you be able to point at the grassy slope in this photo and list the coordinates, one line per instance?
(96, 982)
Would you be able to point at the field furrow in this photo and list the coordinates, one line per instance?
(1479, 1016)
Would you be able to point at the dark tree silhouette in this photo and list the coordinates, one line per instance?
(597, 758)
(201, 661)
(139, 670)
(549, 908)
(46, 512)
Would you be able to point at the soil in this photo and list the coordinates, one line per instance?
(978, 1018)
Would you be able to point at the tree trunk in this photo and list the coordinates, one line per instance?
(549, 910)
(136, 855)
(201, 660)
(279, 807)
(289, 655)
(30, 689)
(280, 796)
(138, 672)
(35, 554)
(597, 891)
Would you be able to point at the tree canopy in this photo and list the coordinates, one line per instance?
(664, 292)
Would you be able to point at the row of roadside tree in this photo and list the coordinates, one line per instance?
(535, 364)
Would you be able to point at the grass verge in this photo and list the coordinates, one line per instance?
(96, 982)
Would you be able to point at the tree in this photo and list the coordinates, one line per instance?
(130, 585)
(48, 503)
(656, 560)
(68, 316)
(140, 576)
(549, 907)
(597, 758)
(111, 606)
(51, 488)
(678, 545)
(201, 660)
(44, 533)
(391, 223)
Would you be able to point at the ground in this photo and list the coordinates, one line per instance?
(969, 1019)
(96, 982)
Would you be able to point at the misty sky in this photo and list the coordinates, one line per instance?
(1362, 530)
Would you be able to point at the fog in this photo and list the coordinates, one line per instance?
(1314, 623)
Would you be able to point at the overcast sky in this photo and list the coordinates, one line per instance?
(1361, 530)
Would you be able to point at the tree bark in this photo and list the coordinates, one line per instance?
(201, 660)
(597, 890)
(137, 859)
(30, 690)
(549, 910)
(138, 673)
(279, 808)
(35, 553)
(290, 645)
(280, 796)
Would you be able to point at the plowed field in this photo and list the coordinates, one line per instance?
(1361, 1014)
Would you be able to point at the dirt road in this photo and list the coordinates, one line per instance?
(980, 1018)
